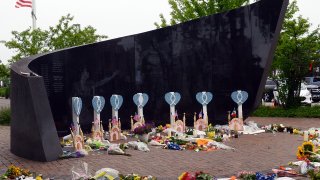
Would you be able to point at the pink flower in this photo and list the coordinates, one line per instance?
(136, 117)
(114, 121)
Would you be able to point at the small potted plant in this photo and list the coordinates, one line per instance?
(143, 132)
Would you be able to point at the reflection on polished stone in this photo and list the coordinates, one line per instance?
(219, 53)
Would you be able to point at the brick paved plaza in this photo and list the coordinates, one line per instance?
(253, 152)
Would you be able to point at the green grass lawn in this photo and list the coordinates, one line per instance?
(303, 111)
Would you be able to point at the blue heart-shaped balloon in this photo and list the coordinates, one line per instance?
(116, 101)
(172, 98)
(98, 103)
(140, 99)
(76, 105)
(204, 97)
(239, 96)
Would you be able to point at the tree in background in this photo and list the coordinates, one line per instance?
(185, 10)
(28, 42)
(297, 47)
(64, 34)
(4, 71)
(4, 79)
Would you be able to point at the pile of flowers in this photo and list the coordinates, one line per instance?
(279, 128)
(247, 175)
(195, 176)
(159, 129)
(136, 177)
(309, 156)
(314, 173)
(243, 175)
(14, 172)
(144, 129)
(307, 151)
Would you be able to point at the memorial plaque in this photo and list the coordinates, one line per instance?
(218, 53)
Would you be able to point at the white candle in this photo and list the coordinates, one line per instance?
(194, 132)
(305, 136)
(172, 112)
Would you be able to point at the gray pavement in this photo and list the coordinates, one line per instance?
(4, 102)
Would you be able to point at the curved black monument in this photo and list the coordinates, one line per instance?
(220, 53)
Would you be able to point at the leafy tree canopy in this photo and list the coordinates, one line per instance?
(185, 10)
(64, 34)
(297, 47)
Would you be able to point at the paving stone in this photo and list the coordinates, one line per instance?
(253, 152)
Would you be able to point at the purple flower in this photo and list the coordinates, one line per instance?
(144, 129)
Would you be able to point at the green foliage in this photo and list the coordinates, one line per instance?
(301, 112)
(4, 76)
(28, 42)
(64, 34)
(4, 71)
(4, 92)
(185, 10)
(5, 116)
(297, 46)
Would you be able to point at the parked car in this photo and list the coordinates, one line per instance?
(271, 92)
(315, 94)
(305, 94)
(312, 80)
(270, 86)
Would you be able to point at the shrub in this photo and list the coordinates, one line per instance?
(7, 92)
(5, 116)
(4, 92)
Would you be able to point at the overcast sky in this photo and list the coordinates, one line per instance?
(114, 18)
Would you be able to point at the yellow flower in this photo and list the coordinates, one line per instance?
(168, 125)
(308, 147)
(296, 131)
(300, 153)
(38, 178)
(211, 134)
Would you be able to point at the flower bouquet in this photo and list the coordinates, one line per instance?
(247, 175)
(136, 177)
(210, 131)
(159, 129)
(144, 129)
(195, 176)
(189, 131)
(143, 132)
(314, 173)
(307, 151)
(14, 172)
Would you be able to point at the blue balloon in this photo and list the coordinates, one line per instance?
(140, 99)
(116, 101)
(239, 96)
(98, 103)
(172, 98)
(76, 105)
(204, 97)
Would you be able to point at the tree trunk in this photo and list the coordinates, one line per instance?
(293, 98)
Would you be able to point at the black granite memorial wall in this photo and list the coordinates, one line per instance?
(219, 53)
